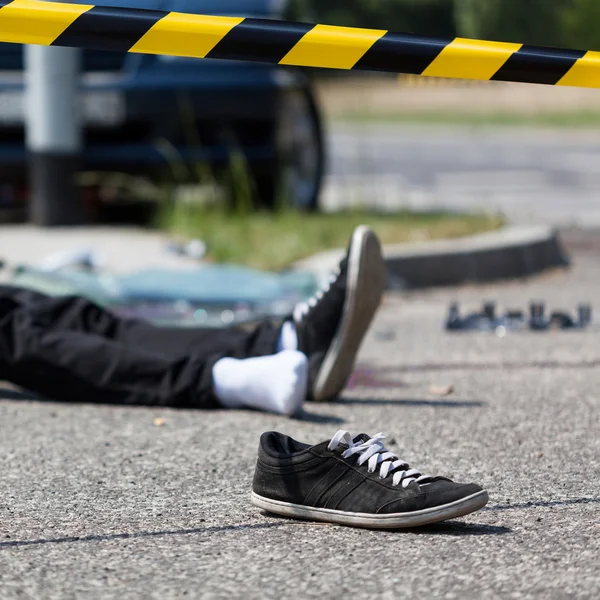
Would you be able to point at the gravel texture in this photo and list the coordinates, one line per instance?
(112, 502)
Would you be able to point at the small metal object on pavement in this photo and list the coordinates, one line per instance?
(514, 320)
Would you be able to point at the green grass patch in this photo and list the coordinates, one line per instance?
(275, 241)
(575, 119)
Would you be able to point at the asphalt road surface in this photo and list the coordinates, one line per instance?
(107, 502)
(531, 175)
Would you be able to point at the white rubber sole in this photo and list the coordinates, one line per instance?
(460, 508)
(365, 286)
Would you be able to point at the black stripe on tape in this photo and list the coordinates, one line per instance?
(401, 53)
(535, 64)
(260, 40)
(107, 28)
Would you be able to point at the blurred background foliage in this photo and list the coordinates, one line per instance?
(562, 23)
(435, 17)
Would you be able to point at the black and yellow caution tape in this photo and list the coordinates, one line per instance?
(287, 43)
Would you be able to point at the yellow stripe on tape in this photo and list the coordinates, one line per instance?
(181, 34)
(584, 73)
(34, 22)
(471, 59)
(332, 47)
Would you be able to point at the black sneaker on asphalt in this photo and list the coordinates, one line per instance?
(354, 481)
(331, 325)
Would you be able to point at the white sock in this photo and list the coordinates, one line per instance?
(288, 338)
(275, 383)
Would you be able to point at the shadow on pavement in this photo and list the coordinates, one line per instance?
(443, 528)
(543, 504)
(9, 394)
(460, 529)
(410, 402)
(316, 418)
(138, 535)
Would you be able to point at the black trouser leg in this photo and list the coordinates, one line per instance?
(70, 349)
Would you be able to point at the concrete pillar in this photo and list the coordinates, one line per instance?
(53, 134)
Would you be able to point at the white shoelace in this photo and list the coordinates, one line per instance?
(376, 453)
(303, 308)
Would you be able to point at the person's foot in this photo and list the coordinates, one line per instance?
(354, 481)
(276, 383)
(332, 325)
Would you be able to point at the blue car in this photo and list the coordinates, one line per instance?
(161, 117)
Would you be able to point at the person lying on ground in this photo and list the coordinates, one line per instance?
(71, 350)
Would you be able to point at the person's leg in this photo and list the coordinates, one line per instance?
(81, 367)
(49, 336)
(12, 297)
(78, 314)
(70, 349)
(276, 383)
(236, 342)
(259, 366)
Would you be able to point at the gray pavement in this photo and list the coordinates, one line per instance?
(541, 176)
(106, 502)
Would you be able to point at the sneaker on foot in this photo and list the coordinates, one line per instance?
(332, 324)
(354, 481)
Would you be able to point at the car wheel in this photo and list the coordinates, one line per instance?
(295, 179)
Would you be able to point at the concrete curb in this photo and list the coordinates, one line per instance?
(510, 253)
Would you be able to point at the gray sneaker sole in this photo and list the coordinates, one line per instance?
(365, 287)
(418, 518)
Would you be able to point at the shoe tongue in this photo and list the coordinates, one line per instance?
(361, 438)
